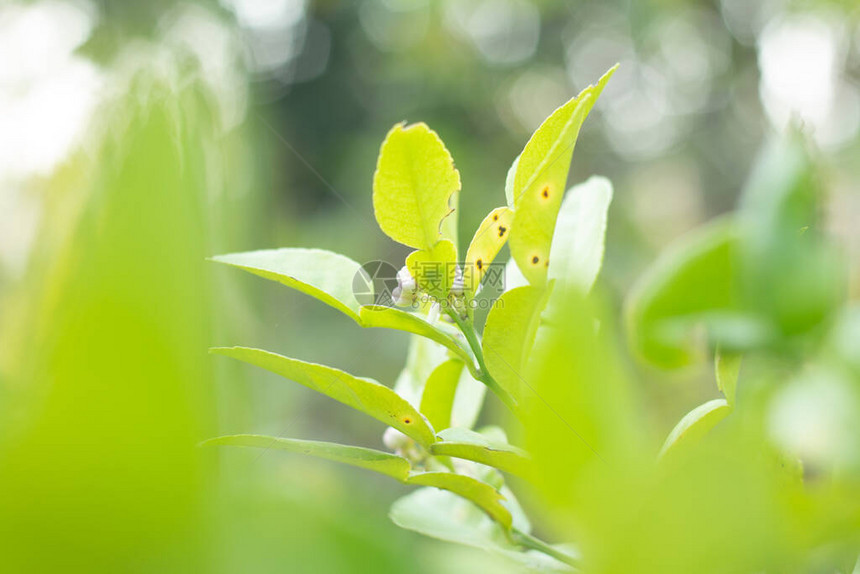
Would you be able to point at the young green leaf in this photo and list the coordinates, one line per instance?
(438, 398)
(695, 425)
(470, 445)
(414, 180)
(483, 495)
(509, 334)
(321, 274)
(540, 181)
(488, 240)
(576, 253)
(434, 269)
(391, 318)
(385, 463)
(362, 394)
(727, 368)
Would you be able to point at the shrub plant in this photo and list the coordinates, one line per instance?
(763, 478)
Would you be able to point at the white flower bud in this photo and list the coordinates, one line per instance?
(459, 283)
(404, 294)
(394, 439)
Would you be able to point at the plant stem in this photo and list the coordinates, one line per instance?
(485, 377)
(529, 541)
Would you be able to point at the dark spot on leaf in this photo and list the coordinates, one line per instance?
(545, 192)
(479, 264)
(535, 260)
(502, 230)
(407, 421)
(495, 217)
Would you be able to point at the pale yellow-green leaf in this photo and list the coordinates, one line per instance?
(385, 463)
(414, 180)
(470, 445)
(488, 240)
(576, 254)
(391, 318)
(468, 400)
(509, 183)
(438, 398)
(322, 274)
(446, 516)
(695, 425)
(482, 494)
(509, 334)
(362, 394)
(540, 181)
(727, 368)
(449, 229)
(434, 269)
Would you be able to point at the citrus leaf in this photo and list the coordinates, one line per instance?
(438, 398)
(468, 400)
(488, 240)
(434, 269)
(445, 516)
(321, 274)
(509, 183)
(727, 368)
(385, 463)
(696, 424)
(362, 394)
(576, 254)
(391, 318)
(509, 334)
(470, 445)
(482, 494)
(540, 181)
(414, 180)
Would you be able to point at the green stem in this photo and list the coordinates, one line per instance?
(529, 541)
(484, 375)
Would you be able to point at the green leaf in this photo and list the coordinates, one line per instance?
(434, 269)
(695, 425)
(488, 240)
(470, 445)
(509, 182)
(509, 334)
(391, 318)
(540, 181)
(692, 283)
(468, 400)
(321, 274)
(576, 254)
(385, 463)
(362, 394)
(727, 367)
(414, 180)
(438, 398)
(445, 516)
(483, 495)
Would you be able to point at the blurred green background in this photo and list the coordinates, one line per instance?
(138, 138)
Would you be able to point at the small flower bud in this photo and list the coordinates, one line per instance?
(459, 283)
